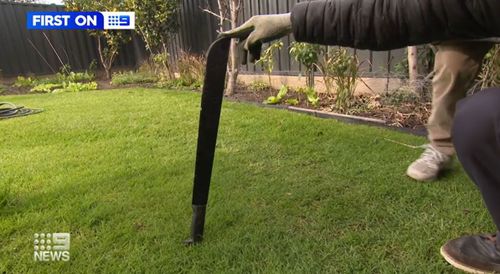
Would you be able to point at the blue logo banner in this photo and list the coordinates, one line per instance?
(90, 20)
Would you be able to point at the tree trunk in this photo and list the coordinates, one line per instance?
(166, 63)
(413, 68)
(108, 73)
(229, 8)
(233, 53)
(102, 58)
(234, 70)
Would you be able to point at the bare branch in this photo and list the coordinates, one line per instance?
(215, 14)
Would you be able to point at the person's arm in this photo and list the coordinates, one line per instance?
(391, 24)
(375, 24)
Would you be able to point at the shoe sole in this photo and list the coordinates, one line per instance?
(461, 266)
(420, 177)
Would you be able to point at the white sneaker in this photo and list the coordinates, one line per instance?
(428, 166)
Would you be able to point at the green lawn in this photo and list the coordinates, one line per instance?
(290, 193)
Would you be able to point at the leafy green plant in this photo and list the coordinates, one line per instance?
(64, 87)
(130, 77)
(24, 82)
(274, 100)
(312, 96)
(47, 84)
(266, 61)
(45, 88)
(76, 87)
(292, 101)
(71, 76)
(259, 86)
(307, 55)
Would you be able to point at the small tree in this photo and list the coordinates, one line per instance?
(307, 55)
(108, 41)
(341, 68)
(228, 11)
(266, 61)
(157, 22)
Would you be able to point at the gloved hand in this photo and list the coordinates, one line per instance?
(258, 30)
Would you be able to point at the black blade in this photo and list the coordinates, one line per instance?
(211, 104)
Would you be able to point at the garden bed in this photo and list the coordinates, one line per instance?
(400, 109)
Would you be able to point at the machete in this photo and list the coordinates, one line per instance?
(211, 104)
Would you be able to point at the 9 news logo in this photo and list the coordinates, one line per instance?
(92, 20)
(51, 247)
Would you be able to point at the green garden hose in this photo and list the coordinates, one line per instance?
(9, 110)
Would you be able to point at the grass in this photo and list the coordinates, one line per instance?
(290, 193)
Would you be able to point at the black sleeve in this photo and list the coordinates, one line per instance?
(391, 24)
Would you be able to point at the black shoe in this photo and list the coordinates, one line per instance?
(473, 254)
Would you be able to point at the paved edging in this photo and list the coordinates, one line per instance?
(339, 116)
(352, 119)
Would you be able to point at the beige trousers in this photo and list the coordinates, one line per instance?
(456, 66)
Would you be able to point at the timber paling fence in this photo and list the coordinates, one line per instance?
(37, 52)
(24, 51)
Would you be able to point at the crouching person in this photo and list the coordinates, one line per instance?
(476, 136)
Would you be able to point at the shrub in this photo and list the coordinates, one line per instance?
(341, 68)
(191, 69)
(130, 77)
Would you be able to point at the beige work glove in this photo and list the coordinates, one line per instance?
(258, 30)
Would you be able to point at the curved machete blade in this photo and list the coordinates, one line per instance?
(211, 104)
